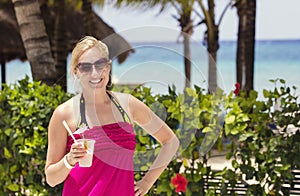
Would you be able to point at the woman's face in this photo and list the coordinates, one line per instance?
(93, 69)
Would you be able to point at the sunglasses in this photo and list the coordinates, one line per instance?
(99, 65)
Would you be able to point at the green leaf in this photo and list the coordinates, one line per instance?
(282, 81)
(28, 151)
(7, 154)
(229, 119)
(144, 168)
(207, 129)
(13, 169)
(245, 136)
(234, 131)
(266, 93)
(191, 92)
(197, 178)
(242, 118)
(185, 163)
(13, 187)
(144, 139)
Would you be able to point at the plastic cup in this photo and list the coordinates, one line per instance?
(87, 160)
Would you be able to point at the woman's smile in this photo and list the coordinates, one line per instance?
(96, 81)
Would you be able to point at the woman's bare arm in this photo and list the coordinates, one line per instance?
(144, 117)
(55, 168)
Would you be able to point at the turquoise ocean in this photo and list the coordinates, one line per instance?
(158, 65)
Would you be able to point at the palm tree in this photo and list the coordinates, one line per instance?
(212, 39)
(60, 45)
(35, 40)
(50, 45)
(184, 10)
(246, 43)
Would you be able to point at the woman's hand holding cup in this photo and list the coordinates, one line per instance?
(77, 152)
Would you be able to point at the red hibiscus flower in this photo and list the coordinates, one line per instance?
(237, 88)
(179, 182)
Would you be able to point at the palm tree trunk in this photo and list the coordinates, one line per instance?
(212, 74)
(187, 29)
(187, 61)
(241, 45)
(212, 40)
(60, 50)
(251, 12)
(212, 47)
(35, 40)
(246, 44)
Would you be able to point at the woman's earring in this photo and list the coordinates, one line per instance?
(109, 84)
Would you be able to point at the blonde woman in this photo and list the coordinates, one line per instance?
(107, 117)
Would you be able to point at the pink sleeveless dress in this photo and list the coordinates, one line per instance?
(112, 170)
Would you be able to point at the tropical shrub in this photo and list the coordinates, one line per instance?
(261, 146)
(25, 110)
(267, 150)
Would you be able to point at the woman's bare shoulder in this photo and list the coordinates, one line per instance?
(67, 108)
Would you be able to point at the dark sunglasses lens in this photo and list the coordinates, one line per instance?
(99, 66)
(85, 67)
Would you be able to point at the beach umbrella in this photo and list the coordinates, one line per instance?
(11, 46)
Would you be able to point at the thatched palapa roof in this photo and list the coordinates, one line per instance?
(11, 46)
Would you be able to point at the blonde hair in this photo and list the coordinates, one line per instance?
(83, 45)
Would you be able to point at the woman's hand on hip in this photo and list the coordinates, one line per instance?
(141, 188)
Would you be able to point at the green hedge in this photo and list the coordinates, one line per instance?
(262, 153)
(201, 121)
(25, 110)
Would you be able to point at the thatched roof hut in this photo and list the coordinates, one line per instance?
(11, 46)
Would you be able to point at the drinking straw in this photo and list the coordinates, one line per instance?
(69, 130)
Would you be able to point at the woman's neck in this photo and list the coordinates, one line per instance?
(96, 97)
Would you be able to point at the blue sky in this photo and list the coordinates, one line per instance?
(276, 19)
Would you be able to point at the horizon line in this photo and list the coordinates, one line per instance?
(226, 40)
